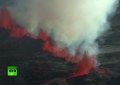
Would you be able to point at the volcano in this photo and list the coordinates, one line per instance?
(39, 56)
(16, 32)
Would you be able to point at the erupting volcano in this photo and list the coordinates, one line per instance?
(68, 28)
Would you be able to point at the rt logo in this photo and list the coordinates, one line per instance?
(12, 71)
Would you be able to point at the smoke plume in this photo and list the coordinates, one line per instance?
(72, 24)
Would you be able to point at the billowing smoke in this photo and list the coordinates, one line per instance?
(72, 24)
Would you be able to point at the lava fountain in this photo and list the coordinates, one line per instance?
(69, 28)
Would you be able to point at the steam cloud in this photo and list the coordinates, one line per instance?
(72, 24)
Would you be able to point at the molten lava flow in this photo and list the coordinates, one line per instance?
(84, 65)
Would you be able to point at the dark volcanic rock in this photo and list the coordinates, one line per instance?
(35, 66)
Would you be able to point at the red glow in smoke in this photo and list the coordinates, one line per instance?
(84, 65)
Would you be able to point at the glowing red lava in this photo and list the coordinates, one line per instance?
(84, 66)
